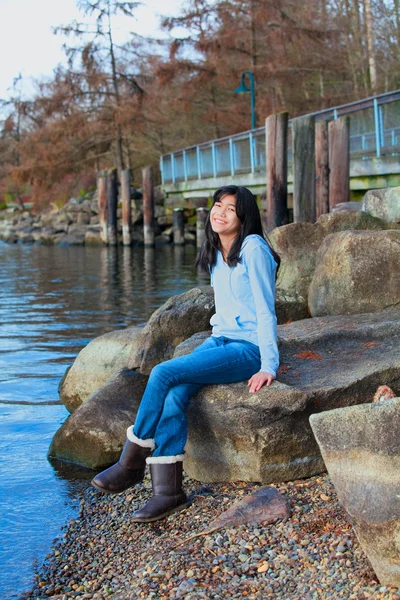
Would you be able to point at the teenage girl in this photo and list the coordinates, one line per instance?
(243, 345)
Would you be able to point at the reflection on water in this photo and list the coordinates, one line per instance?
(53, 301)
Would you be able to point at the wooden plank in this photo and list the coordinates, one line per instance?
(102, 205)
(148, 206)
(112, 203)
(339, 161)
(178, 224)
(276, 128)
(201, 218)
(126, 206)
(303, 133)
(321, 169)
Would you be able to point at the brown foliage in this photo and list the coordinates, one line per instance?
(127, 106)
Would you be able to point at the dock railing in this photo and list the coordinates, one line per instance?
(374, 132)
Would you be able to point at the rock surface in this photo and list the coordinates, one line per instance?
(384, 203)
(326, 362)
(297, 245)
(356, 272)
(361, 449)
(93, 436)
(176, 320)
(95, 364)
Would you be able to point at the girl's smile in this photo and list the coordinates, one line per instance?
(223, 217)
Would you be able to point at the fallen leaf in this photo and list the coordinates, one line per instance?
(283, 369)
(308, 355)
(370, 344)
(324, 497)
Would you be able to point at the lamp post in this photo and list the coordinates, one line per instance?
(243, 89)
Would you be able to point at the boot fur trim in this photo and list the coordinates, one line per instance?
(143, 443)
(164, 460)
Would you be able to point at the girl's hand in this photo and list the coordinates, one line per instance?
(258, 380)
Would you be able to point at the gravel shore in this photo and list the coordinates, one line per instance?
(313, 555)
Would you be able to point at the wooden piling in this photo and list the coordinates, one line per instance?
(178, 225)
(339, 161)
(321, 169)
(201, 217)
(126, 206)
(102, 205)
(276, 128)
(112, 203)
(148, 206)
(303, 133)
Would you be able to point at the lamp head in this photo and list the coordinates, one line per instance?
(242, 89)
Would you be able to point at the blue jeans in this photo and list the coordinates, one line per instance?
(162, 411)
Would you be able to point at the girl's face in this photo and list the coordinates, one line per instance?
(223, 217)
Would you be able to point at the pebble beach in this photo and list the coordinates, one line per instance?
(314, 554)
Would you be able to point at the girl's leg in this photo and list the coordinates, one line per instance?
(152, 403)
(174, 382)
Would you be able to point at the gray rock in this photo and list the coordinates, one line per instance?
(95, 433)
(93, 237)
(83, 218)
(326, 362)
(361, 449)
(356, 272)
(384, 203)
(297, 245)
(346, 206)
(73, 239)
(176, 320)
(346, 221)
(95, 364)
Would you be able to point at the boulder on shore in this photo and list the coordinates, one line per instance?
(176, 320)
(356, 272)
(93, 436)
(361, 449)
(383, 203)
(326, 362)
(95, 364)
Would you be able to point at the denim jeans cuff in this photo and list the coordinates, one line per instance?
(164, 460)
(143, 443)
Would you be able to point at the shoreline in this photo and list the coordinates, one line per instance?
(312, 555)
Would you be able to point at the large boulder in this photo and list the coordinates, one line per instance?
(361, 449)
(384, 203)
(176, 320)
(95, 433)
(95, 364)
(345, 221)
(297, 245)
(356, 272)
(326, 362)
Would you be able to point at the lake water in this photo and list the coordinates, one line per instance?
(53, 301)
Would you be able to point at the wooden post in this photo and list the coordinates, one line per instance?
(276, 128)
(321, 169)
(126, 206)
(201, 217)
(303, 131)
(178, 224)
(102, 204)
(148, 206)
(339, 161)
(112, 202)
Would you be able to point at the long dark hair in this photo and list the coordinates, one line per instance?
(250, 223)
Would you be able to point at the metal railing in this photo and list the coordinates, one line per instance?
(374, 131)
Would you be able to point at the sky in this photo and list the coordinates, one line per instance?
(28, 46)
